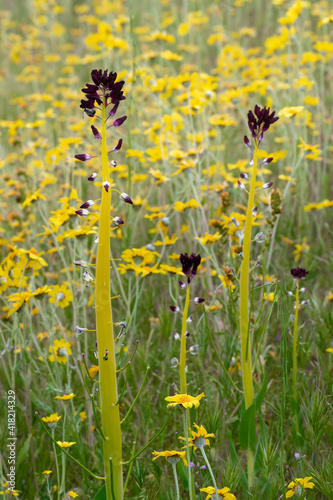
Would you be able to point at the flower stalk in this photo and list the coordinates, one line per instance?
(295, 357)
(112, 448)
(105, 91)
(245, 338)
(258, 122)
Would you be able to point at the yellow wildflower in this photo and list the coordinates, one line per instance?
(199, 437)
(171, 456)
(297, 486)
(184, 400)
(66, 397)
(223, 493)
(65, 444)
(60, 351)
(181, 207)
(60, 295)
(209, 239)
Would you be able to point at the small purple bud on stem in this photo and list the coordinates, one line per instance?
(84, 157)
(117, 148)
(87, 204)
(118, 221)
(254, 211)
(96, 133)
(182, 285)
(240, 185)
(267, 160)
(267, 185)
(199, 300)
(106, 186)
(244, 176)
(82, 212)
(92, 177)
(126, 198)
(174, 309)
(119, 121)
(247, 142)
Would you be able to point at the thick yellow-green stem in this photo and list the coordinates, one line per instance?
(183, 386)
(112, 449)
(182, 363)
(244, 310)
(295, 356)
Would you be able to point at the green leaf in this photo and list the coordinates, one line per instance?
(22, 455)
(261, 394)
(247, 429)
(101, 494)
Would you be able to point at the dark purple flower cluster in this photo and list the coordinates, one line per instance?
(298, 273)
(259, 122)
(104, 89)
(190, 265)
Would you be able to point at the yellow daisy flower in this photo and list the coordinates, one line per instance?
(297, 486)
(223, 493)
(60, 295)
(52, 419)
(65, 444)
(60, 351)
(46, 472)
(66, 397)
(199, 437)
(184, 400)
(171, 456)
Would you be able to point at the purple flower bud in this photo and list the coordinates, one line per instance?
(299, 273)
(187, 334)
(240, 185)
(82, 212)
(203, 467)
(87, 204)
(199, 300)
(189, 319)
(174, 309)
(96, 133)
(106, 186)
(119, 121)
(113, 111)
(267, 185)
(176, 335)
(92, 177)
(267, 160)
(84, 157)
(113, 163)
(244, 176)
(182, 285)
(80, 263)
(254, 211)
(235, 221)
(117, 148)
(118, 221)
(126, 198)
(247, 142)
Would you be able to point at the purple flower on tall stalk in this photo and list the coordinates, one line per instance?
(298, 273)
(259, 122)
(190, 265)
(104, 85)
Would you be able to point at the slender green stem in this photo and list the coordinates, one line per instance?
(112, 448)
(186, 414)
(209, 467)
(244, 310)
(182, 363)
(174, 469)
(295, 358)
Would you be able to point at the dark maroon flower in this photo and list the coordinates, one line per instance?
(84, 157)
(117, 148)
(119, 121)
(298, 273)
(96, 133)
(190, 265)
(199, 300)
(174, 309)
(260, 121)
(104, 89)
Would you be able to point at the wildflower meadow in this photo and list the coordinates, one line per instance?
(166, 257)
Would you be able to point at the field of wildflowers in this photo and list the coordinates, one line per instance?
(166, 322)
